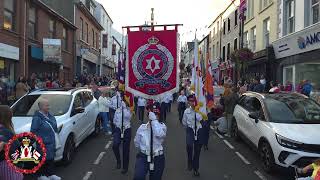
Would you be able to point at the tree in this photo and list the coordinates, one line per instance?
(241, 57)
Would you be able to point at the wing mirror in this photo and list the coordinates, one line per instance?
(255, 116)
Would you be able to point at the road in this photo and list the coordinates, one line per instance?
(225, 159)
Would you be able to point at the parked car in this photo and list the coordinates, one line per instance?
(283, 127)
(76, 112)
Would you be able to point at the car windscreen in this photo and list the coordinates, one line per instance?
(299, 110)
(58, 104)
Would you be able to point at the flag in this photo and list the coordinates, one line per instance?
(209, 85)
(121, 68)
(15, 155)
(197, 83)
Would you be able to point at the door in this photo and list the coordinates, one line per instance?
(89, 106)
(243, 114)
(77, 119)
(252, 125)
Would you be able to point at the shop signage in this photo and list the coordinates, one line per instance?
(52, 50)
(89, 56)
(300, 42)
(9, 52)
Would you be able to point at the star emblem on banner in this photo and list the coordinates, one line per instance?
(156, 64)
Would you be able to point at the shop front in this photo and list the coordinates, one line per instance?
(298, 57)
(9, 58)
(88, 62)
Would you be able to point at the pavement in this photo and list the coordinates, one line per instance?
(226, 159)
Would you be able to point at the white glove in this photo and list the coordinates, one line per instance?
(152, 116)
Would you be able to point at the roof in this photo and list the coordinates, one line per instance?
(54, 13)
(85, 10)
(221, 14)
(104, 11)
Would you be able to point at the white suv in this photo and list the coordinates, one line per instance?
(76, 112)
(285, 128)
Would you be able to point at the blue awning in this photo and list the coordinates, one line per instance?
(37, 53)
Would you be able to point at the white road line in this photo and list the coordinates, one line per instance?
(97, 161)
(243, 158)
(108, 145)
(259, 174)
(228, 144)
(87, 176)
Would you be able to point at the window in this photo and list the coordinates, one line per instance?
(214, 31)
(250, 9)
(92, 8)
(81, 29)
(245, 39)
(52, 28)
(236, 17)
(97, 41)
(254, 38)
(228, 24)
(315, 11)
(77, 102)
(218, 50)
(223, 53)
(228, 51)
(290, 16)
(224, 27)
(87, 33)
(65, 38)
(9, 15)
(235, 46)
(218, 27)
(93, 40)
(213, 51)
(266, 31)
(264, 4)
(32, 22)
(87, 98)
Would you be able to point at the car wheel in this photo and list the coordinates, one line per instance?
(267, 157)
(69, 150)
(97, 126)
(235, 130)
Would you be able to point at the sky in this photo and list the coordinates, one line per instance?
(193, 14)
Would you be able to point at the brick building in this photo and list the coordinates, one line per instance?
(23, 26)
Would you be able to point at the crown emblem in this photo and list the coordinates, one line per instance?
(153, 40)
(26, 141)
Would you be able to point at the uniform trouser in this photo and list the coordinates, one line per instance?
(163, 113)
(111, 116)
(168, 107)
(181, 109)
(125, 146)
(141, 113)
(142, 167)
(193, 151)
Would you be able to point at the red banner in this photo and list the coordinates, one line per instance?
(151, 67)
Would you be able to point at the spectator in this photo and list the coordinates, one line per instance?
(230, 102)
(288, 87)
(104, 104)
(314, 167)
(45, 125)
(95, 90)
(306, 88)
(274, 88)
(222, 125)
(6, 133)
(22, 88)
(259, 88)
(263, 81)
(299, 87)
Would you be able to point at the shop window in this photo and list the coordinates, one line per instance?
(309, 72)
(32, 22)
(315, 11)
(65, 38)
(9, 15)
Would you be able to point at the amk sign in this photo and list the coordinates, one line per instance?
(308, 40)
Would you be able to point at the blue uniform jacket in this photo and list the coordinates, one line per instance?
(43, 130)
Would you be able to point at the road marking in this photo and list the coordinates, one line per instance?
(259, 174)
(97, 161)
(228, 144)
(87, 176)
(243, 158)
(108, 145)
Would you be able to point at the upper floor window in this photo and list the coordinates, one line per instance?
(9, 15)
(228, 24)
(235, 44)
(52, 28)
(253, 38)
(266, 32)
(93, 39)
(264, 4)
(32, 22)
(65, 38)
(236, 17)
(223, 53)
(81, 29)
(214, 31)
(218, 50)
(228, 51)
(290, 16)
(97, 41)
(87, 33)
(218, 27)
(250, 9)
(315, 11)
(213, 51)
(245, 39)
(224, 27)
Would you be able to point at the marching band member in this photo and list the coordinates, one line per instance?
(163, 108)
(194, 136)
(148, 140)
(122, 134)
(115, 104)
(141, 106)
(182, 104)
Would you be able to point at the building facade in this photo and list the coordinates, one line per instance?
(298, 48)
(107, 65)
(24, 27)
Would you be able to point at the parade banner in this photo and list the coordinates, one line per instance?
(151, 66)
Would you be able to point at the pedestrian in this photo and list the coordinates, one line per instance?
(6, 133)
(141, 106)
(44, 125)
(314, 167)
(182, 104)
(104, 104)
(306, 88)
(148, 140)
(194, 137)
(221, 124)
(122, 134)
(230, 102)
(22, 88)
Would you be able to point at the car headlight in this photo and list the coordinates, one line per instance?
(60, 128)
(288, 143)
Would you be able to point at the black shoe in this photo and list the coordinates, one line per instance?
(124, 171)
(189, 166)
(196, 173)
(118, 165)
